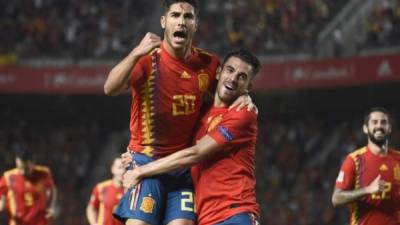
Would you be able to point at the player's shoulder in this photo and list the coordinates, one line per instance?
(207, 57)
(104, 184)
(357, 153)
(146, 59)
(42, 169)
(243, 114)
(11, 172)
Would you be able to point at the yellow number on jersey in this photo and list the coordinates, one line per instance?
(28, 198)
(385, 193)
(187, 201)
(183, 104)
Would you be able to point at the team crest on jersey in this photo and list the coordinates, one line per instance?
(147, 205)
(396, 172)
(214, 122)
(203, 81)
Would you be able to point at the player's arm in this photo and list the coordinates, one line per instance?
(53, 201)
(2, 203)
(341, 197)
(91, 214)
(117, 80)
(52, 198)
(92, 208)
(178, 160)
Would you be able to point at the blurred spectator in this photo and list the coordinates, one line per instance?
(108, 29)
(384, 24)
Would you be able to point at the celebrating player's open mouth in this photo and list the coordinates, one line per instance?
(230, 88)
(180, 36)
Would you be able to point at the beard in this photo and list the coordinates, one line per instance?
(380, 141)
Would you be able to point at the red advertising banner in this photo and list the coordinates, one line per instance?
(52, 80)
(329, 73)
(278, 76)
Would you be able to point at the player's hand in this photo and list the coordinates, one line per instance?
(243, 101)
(130, 178)
(149, 42)
(126, 159)
(50, 213)
(378, 185)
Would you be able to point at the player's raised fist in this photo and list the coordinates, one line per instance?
(149, 42)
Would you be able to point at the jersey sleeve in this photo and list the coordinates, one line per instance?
(139, 70)
(94, 197)
(3, 187)
(345, 178)
(235, 128)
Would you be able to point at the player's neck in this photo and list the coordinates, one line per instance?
(218, 103)
(378, 149)
(117, 182)
(179, 54)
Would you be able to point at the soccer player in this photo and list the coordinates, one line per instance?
(369, 178)
(28, 191)
(168, 84)
(223, 157)
(105, 197)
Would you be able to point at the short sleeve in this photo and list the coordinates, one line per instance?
(94, 197)
(235, 128)
(138, 70)
(345, 178)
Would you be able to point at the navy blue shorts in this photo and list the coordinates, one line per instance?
(241, 219)
(159, 199)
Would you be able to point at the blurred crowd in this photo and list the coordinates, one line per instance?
(384, 24)
(108, 29)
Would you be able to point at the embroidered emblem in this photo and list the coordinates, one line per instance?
(203, 82)
(147, 205)
(396, 172)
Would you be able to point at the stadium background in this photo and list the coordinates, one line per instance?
(325, 63)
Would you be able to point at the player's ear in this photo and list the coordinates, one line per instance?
(365, 129)
(162, 21)
(219, 72)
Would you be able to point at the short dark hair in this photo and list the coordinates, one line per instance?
(23, 153)
(246, 56)
(194, 3)
(377, 109)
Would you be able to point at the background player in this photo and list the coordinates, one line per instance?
(27, 192)
(370, 177)
(105, 196)
(168, 84)
(224, 176)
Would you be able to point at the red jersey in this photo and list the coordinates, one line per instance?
(358, 170)
(105, 197)
(225, 182)
(166, 97)
(27, 199)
